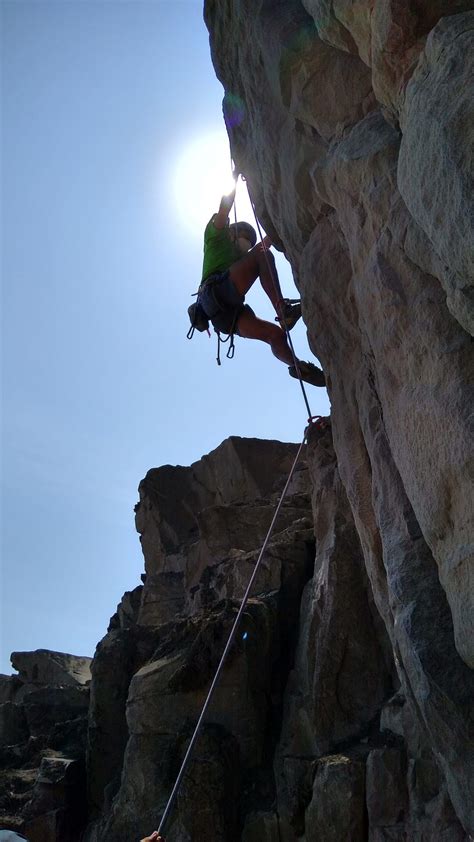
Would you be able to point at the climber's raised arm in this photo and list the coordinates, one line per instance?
(221, 217)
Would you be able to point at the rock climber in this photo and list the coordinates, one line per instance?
(153, 838)
(232, 263)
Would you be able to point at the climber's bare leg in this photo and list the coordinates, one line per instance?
(251, 327)
(257, 264)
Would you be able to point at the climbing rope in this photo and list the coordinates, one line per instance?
(313, 421)
(229, 643)
(236, 179)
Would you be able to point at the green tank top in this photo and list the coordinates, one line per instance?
(220, 252)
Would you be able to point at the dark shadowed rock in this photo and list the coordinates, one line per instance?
(336, 812)
(387, 794)
(13, 724)
(46, 707)
(42, 746)
(56, 809)
(261, 827)
(201, 531)
(9, 686)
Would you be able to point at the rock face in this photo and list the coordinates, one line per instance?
(373, 209)
(353, 124)
(43, 730)
(345, 710)
(325, 725)
(315, 731)
(56, 669)
(201, 531)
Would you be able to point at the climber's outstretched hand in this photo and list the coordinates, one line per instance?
(153, 838)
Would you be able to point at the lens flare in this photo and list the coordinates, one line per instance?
(201, 176)
(234, 110)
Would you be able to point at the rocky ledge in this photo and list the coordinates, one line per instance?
(314, 731)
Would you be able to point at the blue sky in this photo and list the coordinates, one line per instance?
(103, 103)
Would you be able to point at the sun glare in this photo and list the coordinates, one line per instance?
(202, 175)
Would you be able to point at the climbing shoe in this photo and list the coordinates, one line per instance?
(310, 373)
(289, 314)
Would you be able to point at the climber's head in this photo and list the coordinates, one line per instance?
(243, 234)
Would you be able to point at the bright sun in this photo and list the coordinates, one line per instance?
(202, 175)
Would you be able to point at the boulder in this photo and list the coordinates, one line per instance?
(56, 809)
(336, 812)
(56, 669)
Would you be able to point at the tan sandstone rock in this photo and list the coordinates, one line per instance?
(376, 221)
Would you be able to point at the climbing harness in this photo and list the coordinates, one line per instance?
(318, 422)
(200, 321)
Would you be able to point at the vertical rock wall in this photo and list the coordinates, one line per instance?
(353, 124)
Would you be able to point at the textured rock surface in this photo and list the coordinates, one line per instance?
(369, 192)
(341, 674)
(56, 669)
(345, 709)
(436, 164)
(337, 807)
(305, 738)
(201, 530)
(43, 727)
(321, 727)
